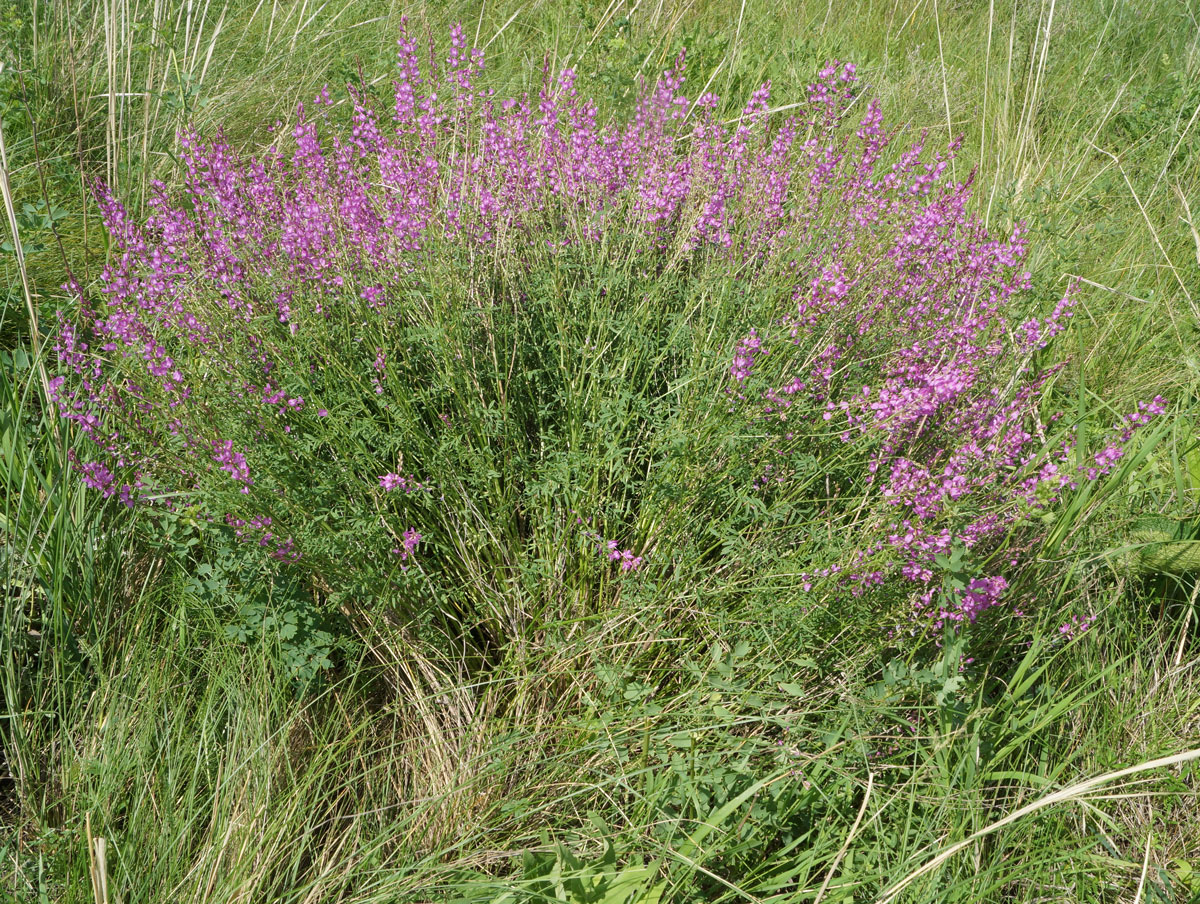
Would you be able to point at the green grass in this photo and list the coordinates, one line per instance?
(687, 752)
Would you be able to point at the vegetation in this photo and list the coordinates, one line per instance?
(701, 494)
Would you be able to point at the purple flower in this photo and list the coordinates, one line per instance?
(408, 546)
(97, 476)
(393, 481)
(232, 462)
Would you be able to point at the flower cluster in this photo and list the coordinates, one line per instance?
(610, 550)
(392, 481)
(1076, 626)
(614, 553)
(743, 357)
(408, 545)
(257, 530)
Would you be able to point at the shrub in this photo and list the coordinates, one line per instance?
(472, 359)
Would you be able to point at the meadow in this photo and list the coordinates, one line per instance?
(616, 452)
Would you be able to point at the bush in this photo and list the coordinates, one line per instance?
(476, 360)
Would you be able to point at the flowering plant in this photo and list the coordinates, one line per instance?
(405, 344)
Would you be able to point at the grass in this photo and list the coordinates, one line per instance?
(637, 752)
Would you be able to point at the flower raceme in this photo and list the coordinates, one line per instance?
(206, 365)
